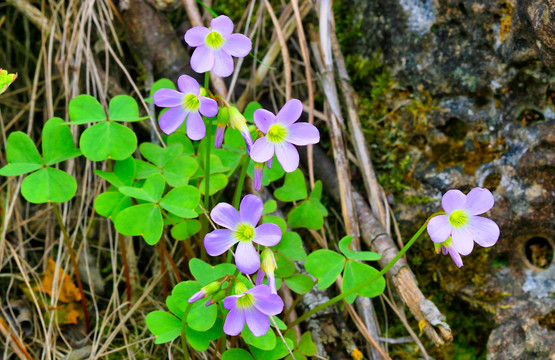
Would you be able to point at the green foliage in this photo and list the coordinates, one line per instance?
(163, 325)
(357, 273)
(360, 255)
(301, 284)
(236, 354)
(293, 189)
(206, 273)
(291, 246)
(265, 342)
(47, 184)
(106, 139)
(6, 80)
(326, 265)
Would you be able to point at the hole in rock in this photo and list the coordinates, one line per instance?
(548, 321)
(529, 117)
(539, 252)
(492, 180)
(455, 128)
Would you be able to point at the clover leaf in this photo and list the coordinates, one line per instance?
(107, 139)
(45, 184)
(356, 255)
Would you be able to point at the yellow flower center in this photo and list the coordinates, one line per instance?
(214, 40)
(244, 232)
(191, 102)
(246, 301)
(459, 219)
(277, 133)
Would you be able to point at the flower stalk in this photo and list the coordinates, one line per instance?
(364, 284)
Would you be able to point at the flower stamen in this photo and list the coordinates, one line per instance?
(244, 232)
(191, 102)
(277, 133)
(214, 40)
(459, 219)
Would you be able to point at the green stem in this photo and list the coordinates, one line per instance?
(207, 152)
(364, 284)
(184, 332)
(242, 175)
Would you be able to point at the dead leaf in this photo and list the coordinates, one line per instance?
(68, 290)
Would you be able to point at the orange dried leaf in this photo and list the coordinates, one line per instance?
(68, 291)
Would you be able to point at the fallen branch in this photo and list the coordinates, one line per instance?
(378, 240)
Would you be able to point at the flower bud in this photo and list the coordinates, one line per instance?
(258, 169)
(238, 121)
(217, 297)
(222, 121)
(268, 266)
(240, 287)
(205, 291)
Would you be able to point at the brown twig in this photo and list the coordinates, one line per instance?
(74, 264)
(170, 260)
(17, 346)
(125, 268)
(162, 269)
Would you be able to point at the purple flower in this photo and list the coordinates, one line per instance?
(461, 225)
(240, 227)
(267, 268)
(252, 306)
(281, 134)
(185, 103)
(216, 45)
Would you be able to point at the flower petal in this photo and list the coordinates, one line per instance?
(456, 257)
(237, 45)
(223, 64)
(219, 241)
(208, 107)
(167, 98)
(225, 215)
(195, 126)
(262, 150)
(267, 234)
(479, 201)
(303, 134)
(172, 119)
(258, 323)
(188, 85)
(439, 228)
(484, 231)
(463, 241)
(197, 296)
(202, 59)
(290, 112)
(195, 36)
(231, 301)
(223, 25)
(234, 322)
(259, 291)
(263, 119)
(270, 305)
(453, 200)
(288, 156)
(259, 276)
(246, 258)
(251, 209)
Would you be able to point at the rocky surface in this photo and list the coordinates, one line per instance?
(489, 68)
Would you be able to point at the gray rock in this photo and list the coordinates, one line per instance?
(489, 67)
